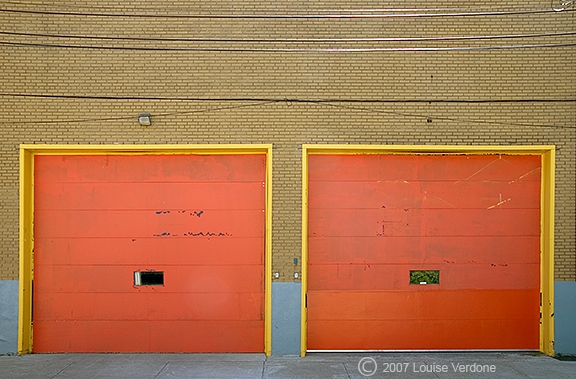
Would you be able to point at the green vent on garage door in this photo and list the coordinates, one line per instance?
(424, 277)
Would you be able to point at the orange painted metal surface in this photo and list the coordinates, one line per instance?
(198, 218)
(373, 218)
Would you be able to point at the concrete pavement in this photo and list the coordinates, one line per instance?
(313, 366)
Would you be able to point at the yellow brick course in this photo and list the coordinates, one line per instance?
(233, 91)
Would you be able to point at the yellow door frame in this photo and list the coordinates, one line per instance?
(26, 243)
(547, 179)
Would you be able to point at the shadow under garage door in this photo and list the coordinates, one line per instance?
(423, 252)
(149, 253)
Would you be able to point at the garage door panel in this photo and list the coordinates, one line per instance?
(485, 194)
(423, 167)
(163, 196)
(430, 249)
(83, 251)
(207, 336)
(397, 277)
(479, 167)
(198, 306)
(518, 222)
(217, 278)
(401, 194)
(521, 305)
(353, 168)
(361, 168)
(53, 278)
(62, 336)
(200, 250)
(423, 335)
(375, 194)
(89, 306)
(153, 251)
(145, 336)
(416, 222)
(150, 168)
(201, 278)
(105, 306)
(134, 224)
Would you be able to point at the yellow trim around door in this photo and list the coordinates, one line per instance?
(26, 229)
(304, 259)
(547, 154)
(547, 181)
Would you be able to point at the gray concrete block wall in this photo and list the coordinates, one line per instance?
(286, 317)
(565, 317)
(8, 316)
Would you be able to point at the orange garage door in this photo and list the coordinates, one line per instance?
(149, 253)
(423, 252)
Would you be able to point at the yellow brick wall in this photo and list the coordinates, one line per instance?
(258, 80)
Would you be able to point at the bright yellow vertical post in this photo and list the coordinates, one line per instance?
(26, 244)
(547, 252)
(268, 257)
(304, 311)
